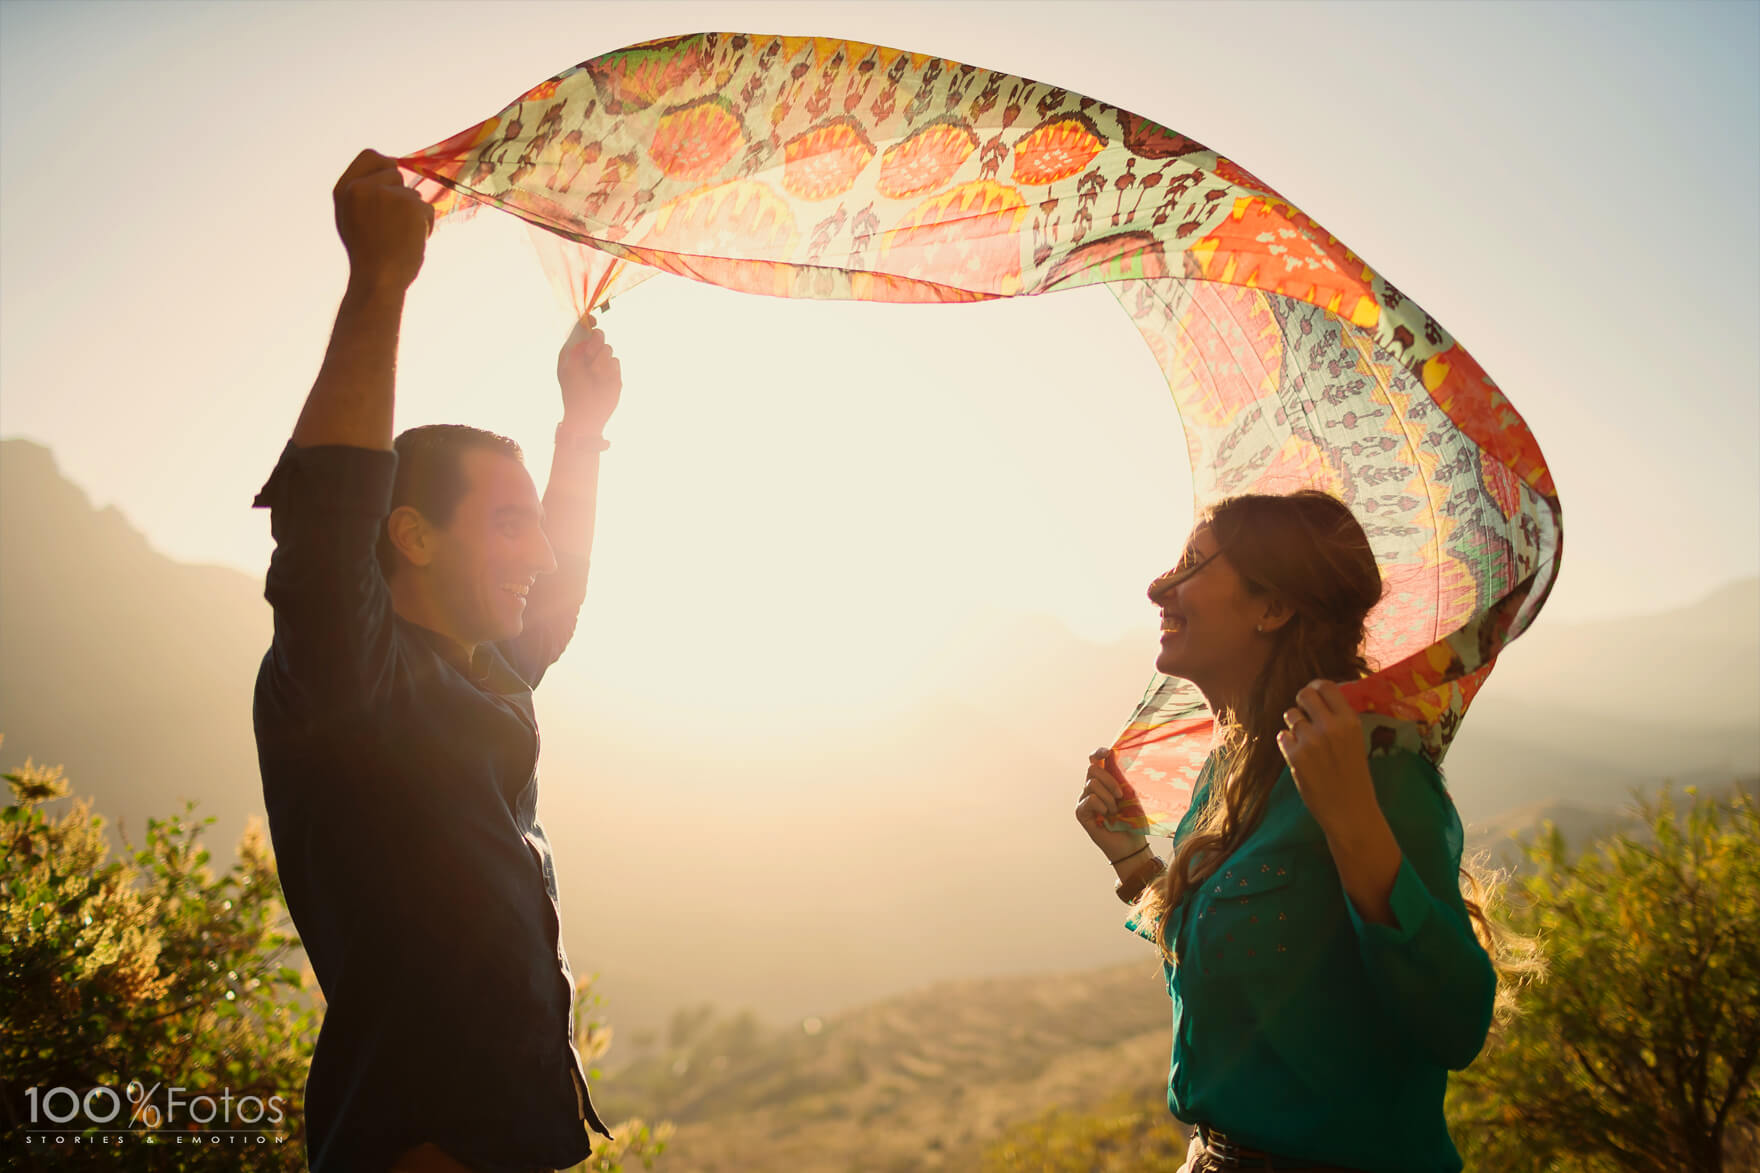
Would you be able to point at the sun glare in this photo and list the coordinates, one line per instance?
(805, 502)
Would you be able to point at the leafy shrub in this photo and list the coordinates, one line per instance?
(144, 972)
(1639, 1050)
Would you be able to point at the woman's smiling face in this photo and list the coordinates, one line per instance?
(1210, 622)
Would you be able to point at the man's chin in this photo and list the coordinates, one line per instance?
(504, 628)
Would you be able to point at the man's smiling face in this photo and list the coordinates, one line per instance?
(492, 551)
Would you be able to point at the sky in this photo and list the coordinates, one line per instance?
(805, 489)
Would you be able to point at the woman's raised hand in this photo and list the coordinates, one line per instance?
(1323, 743)
(1102, 793)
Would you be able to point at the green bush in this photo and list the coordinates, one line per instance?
(144, 972)
(1638, 1052)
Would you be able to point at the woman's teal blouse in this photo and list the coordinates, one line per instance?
(1305, 1031)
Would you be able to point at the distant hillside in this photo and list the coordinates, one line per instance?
(1688, 668)
(1501, 838)
(1583, 712)
(133, 671)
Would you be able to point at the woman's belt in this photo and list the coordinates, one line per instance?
(1231, 1154)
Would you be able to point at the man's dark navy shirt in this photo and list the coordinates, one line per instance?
(401, 786)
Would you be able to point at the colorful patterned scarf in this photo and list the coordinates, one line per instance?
(799, 167)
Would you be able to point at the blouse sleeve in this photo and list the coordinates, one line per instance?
(1142, 924)
(1428, 967)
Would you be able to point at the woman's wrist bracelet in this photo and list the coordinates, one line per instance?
(1128, 890)
(1127, 855)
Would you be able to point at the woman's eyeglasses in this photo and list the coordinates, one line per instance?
(1189, 565)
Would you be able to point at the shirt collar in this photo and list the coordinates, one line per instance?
(484, 669)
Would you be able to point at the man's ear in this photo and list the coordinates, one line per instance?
(1277, 613)
(411, 534)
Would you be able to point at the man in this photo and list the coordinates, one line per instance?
(419, 594)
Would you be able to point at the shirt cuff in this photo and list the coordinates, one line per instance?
(1410, 902)
(1141, 924)
(331, 477)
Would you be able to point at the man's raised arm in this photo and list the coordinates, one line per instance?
(331, 489)
(384, 225)
(591, 379)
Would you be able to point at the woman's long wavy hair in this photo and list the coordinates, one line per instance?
(1309, 551)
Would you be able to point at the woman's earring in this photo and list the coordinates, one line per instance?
(1259, 627)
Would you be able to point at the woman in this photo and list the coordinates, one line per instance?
(1323, 966)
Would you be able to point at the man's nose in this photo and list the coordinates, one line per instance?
(546, 556)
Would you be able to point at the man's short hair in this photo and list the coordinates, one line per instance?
(431, 477)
